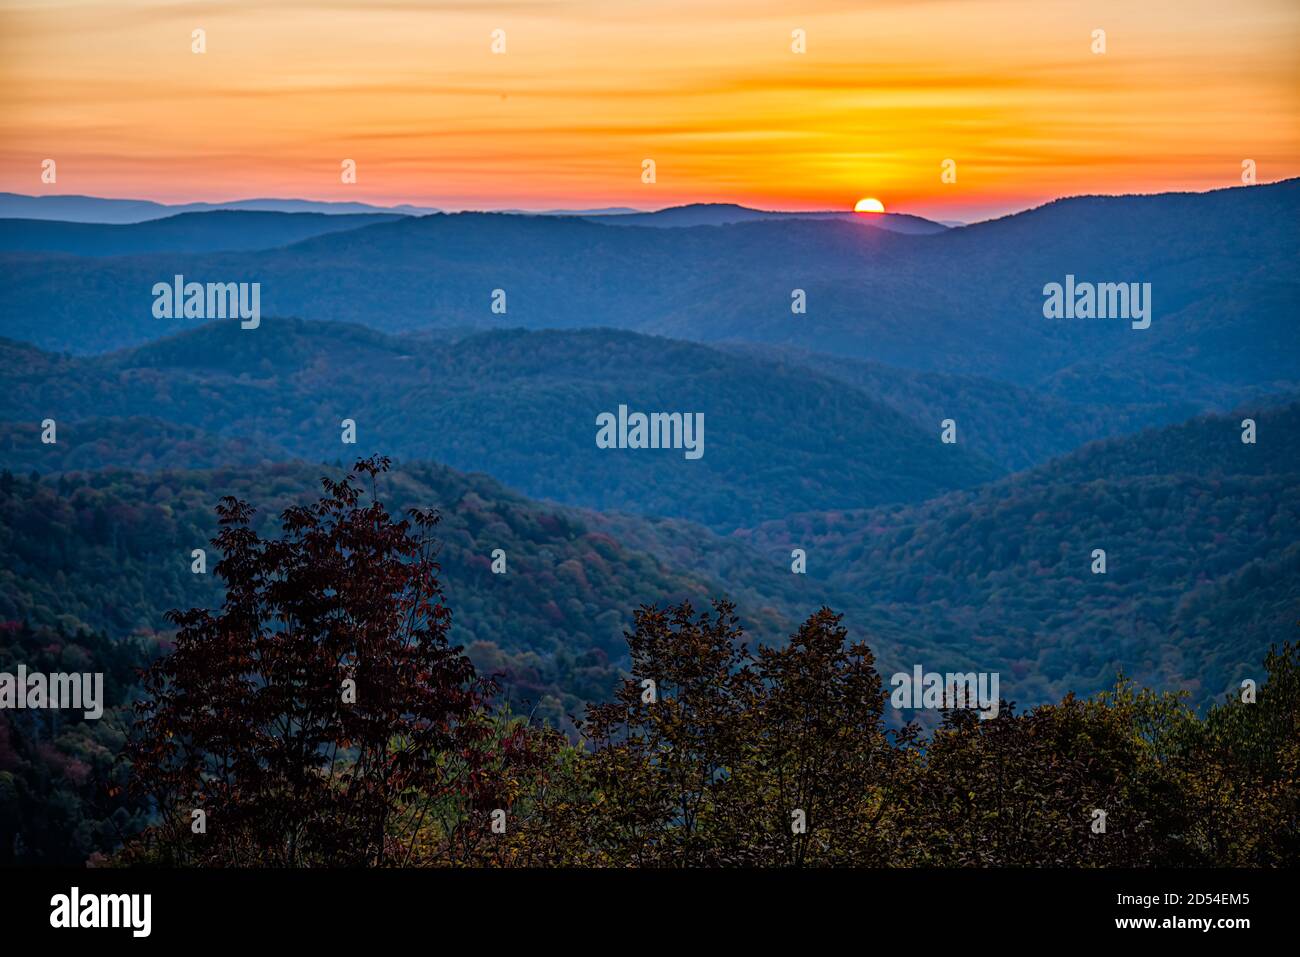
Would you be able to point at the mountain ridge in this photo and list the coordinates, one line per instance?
(521, 405)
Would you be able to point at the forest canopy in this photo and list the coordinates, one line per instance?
(321, 717)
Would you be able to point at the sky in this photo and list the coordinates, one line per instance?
(711, 90)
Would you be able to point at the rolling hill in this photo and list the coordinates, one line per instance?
(519, 405)
(1017, 427)
(1200, 533)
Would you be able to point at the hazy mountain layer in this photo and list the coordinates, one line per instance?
(1223, 269)
(521, 406)
(184, 233)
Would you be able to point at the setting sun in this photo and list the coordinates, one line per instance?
(869, 205)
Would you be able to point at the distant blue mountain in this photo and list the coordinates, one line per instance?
(93, 209)
(602, 211)
(725, 214)
(222, 230)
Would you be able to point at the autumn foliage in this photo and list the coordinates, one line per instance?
(321, 718)
(303, 716)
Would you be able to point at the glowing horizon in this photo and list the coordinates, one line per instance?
(710, 90)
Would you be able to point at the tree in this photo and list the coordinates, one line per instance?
(1243, 769)
(777, 758)
(667, 750)
(321, 713)
(822, 750)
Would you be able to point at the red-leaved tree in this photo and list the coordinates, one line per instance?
(321, 715)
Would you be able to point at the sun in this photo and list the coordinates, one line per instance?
(869, 205)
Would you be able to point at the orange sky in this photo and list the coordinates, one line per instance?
(709, 89)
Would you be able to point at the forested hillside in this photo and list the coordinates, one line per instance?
(63, 795)
(112, 550)
(521, 406)
(1200, 560)
(1015, 426)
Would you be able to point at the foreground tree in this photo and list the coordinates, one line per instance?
(1241, 772)
(321, 714)
(713, 755)
(822, 751)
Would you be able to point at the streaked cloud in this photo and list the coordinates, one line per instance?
(707, 88)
